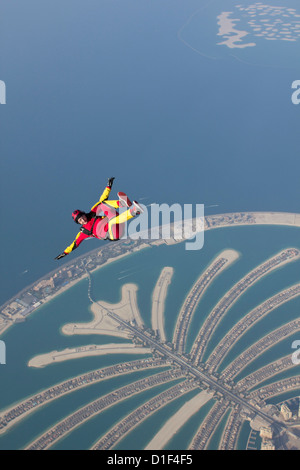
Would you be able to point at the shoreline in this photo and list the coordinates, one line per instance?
(159, 296)
(43, 360)
(225, 220)
(199, 347)
(175, 423)
(101, 324)
(66, 287)
(89, 416)
(85, 381)
(189, 304)
(125, 302)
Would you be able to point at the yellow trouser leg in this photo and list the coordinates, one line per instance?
(114, 204)
(119, 219)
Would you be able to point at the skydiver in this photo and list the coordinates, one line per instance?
(103, 221)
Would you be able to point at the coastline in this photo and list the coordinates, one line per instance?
(190, 303)
(169, 429)
(180, 417)
(158, 301)
(69, 285)
(210, 222)
(101, 324)
(43, 360)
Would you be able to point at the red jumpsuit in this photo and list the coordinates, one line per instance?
(109, 225)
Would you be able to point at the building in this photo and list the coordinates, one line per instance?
(44, 283)
(286, 412)
(267, 445)
(266, 432)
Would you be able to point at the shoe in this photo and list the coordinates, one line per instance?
(124, 200)
(136, 209)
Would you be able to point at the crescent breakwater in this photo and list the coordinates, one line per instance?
(199, 383)
(56, 282)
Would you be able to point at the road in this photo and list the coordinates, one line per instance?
(181, 361)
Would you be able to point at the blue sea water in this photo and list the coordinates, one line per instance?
(101, 88)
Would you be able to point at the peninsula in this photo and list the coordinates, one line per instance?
(56, 282)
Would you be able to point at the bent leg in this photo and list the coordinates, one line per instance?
(108, 208)
(115, 204)
(116, 225)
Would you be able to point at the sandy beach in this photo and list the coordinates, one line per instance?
(252, 218)
(158, 301)
(178, 420)
(196, 293)
(127, 307)
(102, 324)
(232, 35)
(61, 389)
(43, 360)
(5, 324)
(210, 222)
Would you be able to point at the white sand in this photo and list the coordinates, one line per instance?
(102, 324)
(231, 256)
(158, 301)
(178, 420)
(85, 351)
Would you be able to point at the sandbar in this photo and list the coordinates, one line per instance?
(102, 324)
(232, 35)
(158, 301)
(178, 420)
(52, 357)
(224, 220)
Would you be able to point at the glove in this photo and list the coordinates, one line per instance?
(110, 182)
(61, 255)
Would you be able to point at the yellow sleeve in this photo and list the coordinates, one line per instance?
(103, 197)
(74, 244)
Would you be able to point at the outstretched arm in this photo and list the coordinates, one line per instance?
(105, 193)
(75, 244)
(81, 236)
